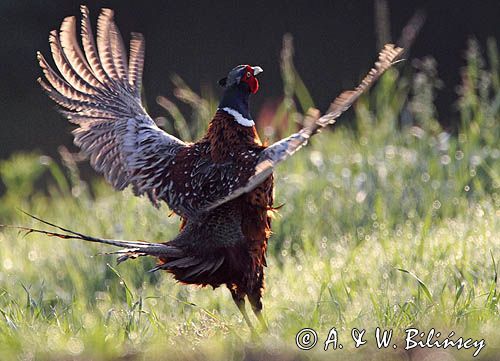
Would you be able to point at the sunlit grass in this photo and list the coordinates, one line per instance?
(389, 223)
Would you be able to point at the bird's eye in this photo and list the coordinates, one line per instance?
(248, 74)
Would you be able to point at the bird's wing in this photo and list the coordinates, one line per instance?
(285, 148)
(99, 90)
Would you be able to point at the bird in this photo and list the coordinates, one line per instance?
(221, 185)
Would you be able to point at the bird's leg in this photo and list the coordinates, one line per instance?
(257, 309)
(239, 300)
(255, 299)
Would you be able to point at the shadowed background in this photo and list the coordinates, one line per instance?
(335, 43)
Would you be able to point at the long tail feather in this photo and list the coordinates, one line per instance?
(132, 249)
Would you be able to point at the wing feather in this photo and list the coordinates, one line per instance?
(89, 46)
(64, 65)
(136, 64)
(62, 100)
(54, 79)
(93, 90)
(119, 53)
(104, 24)
(59, 84)
(74, 54)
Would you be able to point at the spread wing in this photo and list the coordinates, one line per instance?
(99, 90)
(285, 148)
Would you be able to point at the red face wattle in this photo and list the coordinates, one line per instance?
(249, 78)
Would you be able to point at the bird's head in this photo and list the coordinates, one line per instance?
(243, 77)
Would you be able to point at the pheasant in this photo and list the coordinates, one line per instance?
(221, 185)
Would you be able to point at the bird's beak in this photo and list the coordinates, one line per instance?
(257, 70)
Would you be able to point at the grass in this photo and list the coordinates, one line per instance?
(390, 222)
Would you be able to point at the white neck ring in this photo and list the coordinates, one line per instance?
(240, 119)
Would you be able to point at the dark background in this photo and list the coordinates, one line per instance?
(335, 43)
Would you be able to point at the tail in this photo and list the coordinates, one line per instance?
(131, 249)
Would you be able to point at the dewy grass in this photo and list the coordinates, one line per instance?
(389, 223)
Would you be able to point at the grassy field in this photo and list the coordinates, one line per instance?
(388, 222)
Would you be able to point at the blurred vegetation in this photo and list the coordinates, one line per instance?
(389, 220)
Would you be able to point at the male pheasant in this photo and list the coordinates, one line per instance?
(221, 186)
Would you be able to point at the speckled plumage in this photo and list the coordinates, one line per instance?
(221, 185)
(232, 237)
